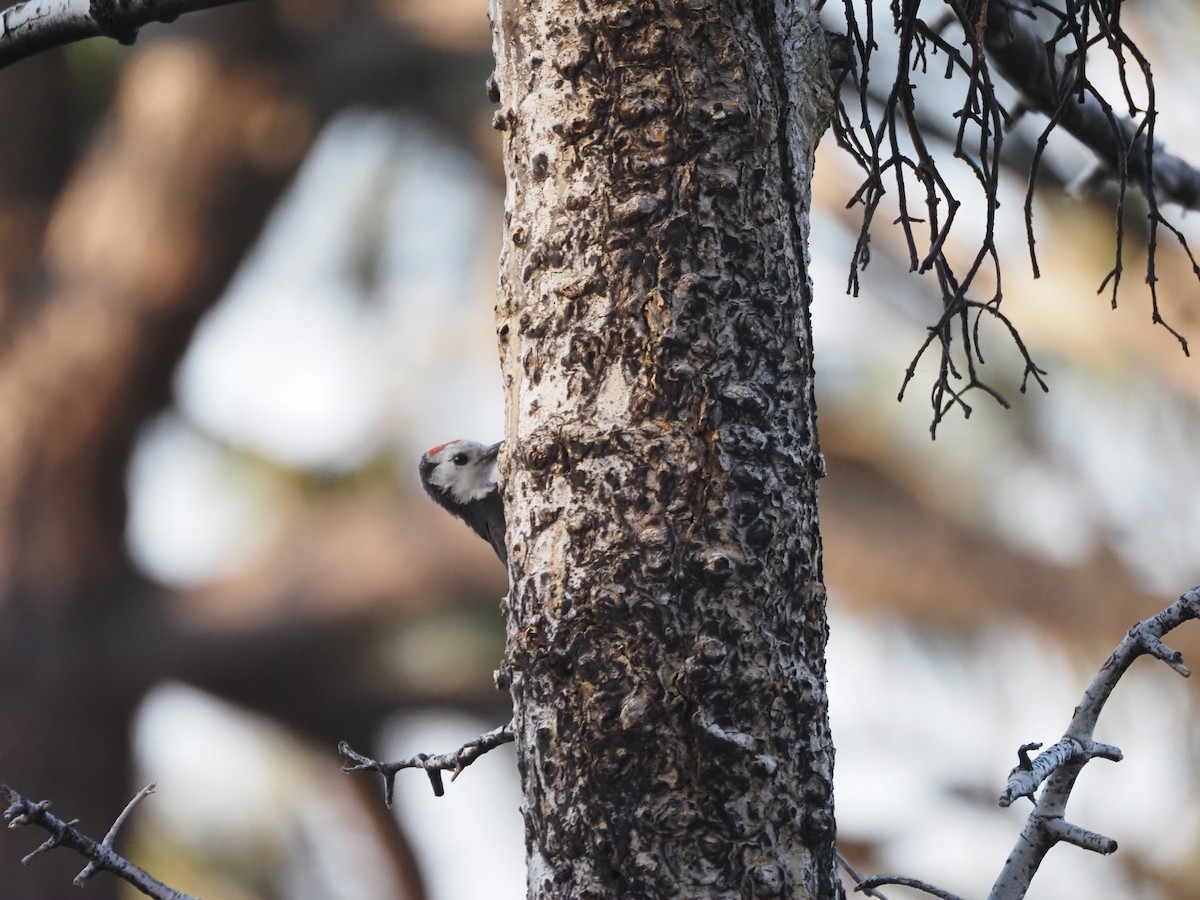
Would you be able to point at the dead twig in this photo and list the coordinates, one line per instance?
(454, 761)
(1056, 768)
(878, 880)
(100, 855)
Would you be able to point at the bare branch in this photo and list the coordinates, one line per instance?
(1051, 85)
(1028, 776)
(877, 880)
(100, 856)
(895, 151)
(859, 879)
(29, 28)
(454, 761)
(91, 868)
(1060, 764)
(897, 147)
(1058, 86)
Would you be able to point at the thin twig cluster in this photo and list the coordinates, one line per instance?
(898, 148)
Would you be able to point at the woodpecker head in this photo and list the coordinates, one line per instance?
(459, 476)
(459, 473)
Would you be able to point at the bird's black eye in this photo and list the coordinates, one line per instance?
(459, 459)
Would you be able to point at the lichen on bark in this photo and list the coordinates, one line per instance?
(666, 614)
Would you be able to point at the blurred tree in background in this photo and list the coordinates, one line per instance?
(134, 184)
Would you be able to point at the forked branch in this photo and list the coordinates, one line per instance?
(100, 855)
(1056, 768)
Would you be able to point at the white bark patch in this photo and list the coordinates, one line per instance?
(613, 399)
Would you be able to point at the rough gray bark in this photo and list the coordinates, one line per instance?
(667, 622)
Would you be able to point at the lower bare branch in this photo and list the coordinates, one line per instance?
(1060, 764)
(100, 856)
(878, 880)
(454, 761)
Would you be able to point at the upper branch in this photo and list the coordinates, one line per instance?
(890, 144)
(29, 28)
(1048, 83)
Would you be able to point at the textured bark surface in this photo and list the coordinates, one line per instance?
(667, 622)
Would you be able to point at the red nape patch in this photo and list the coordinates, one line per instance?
(440, 447)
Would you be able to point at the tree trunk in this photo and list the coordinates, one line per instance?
(667, 623)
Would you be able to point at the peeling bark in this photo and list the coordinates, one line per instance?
(667, 614)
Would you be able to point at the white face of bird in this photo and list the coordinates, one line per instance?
(465, 470)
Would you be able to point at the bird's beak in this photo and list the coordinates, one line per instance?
(491, 452)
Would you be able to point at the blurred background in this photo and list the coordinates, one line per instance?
(247, 277)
